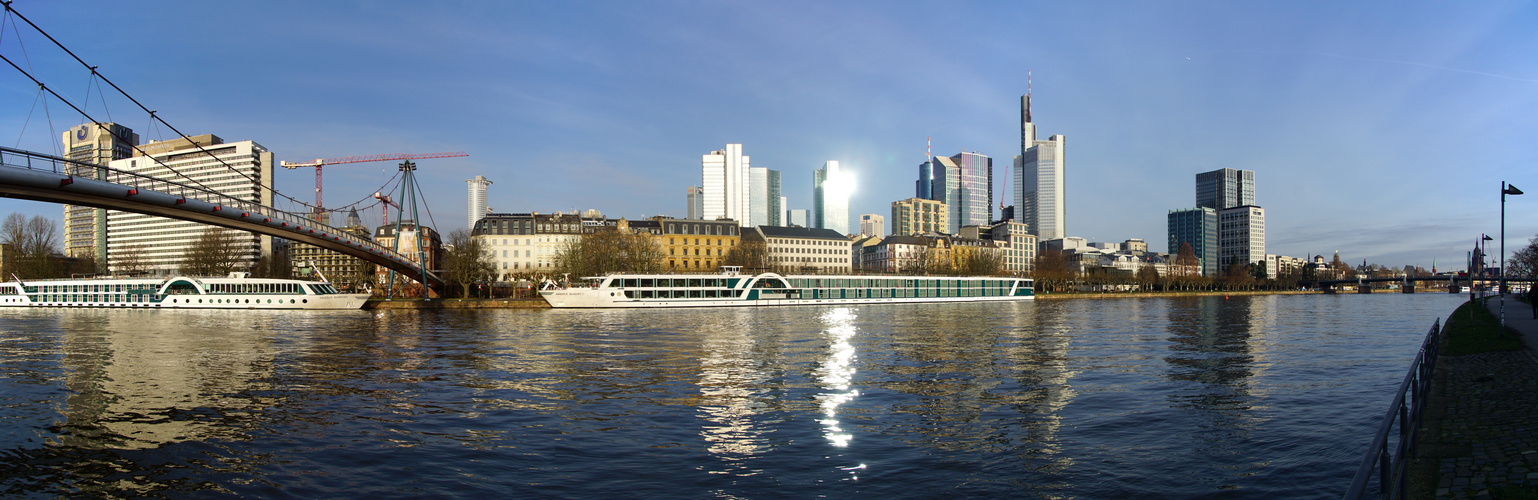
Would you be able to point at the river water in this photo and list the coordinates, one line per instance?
(1257, 397)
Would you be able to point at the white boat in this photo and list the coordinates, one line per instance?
(237, 291)
(730, 289)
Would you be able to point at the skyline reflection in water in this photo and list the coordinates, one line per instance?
(1250, 396)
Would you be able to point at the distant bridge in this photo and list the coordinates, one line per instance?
(1450, 279)
(38, 177)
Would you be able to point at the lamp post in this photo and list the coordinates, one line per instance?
(1505, 190)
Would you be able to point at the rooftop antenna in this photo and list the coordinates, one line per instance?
(928, 148)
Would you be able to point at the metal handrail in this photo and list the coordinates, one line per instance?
(1390, 468)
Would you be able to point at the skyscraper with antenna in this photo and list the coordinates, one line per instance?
(1038, 191)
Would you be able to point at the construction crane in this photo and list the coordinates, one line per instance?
(318, 163)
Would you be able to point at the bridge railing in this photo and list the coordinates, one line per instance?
(17, 158)
(1402, 422)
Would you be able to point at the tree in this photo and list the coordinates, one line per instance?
(610, 251)
(751, 255)
(216, 253)
(981, 262)
(274, 265)
(1050, 270)
(1147, 277)
(466, 262)
(130, 260)
(34, 242)
(1524, 262)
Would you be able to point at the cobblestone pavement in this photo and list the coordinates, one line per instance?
(1488, 436)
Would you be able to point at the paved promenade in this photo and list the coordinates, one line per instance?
(1481, 435)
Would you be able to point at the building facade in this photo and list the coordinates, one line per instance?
(1225, 188)
(419, 244)
(873, 225)
(1017, 244)
(159, 245)
(803, 250)
(696, 245)
(477, 196)
(1197, 227)
(85, 228)
(918, 216)
(830, 192)
(526, 242)
(724, 180)
(1241, 236)
(345, 271)
(1039, 182)
(763, 197)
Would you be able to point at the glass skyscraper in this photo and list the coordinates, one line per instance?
(1225, 188)
(1197, 227)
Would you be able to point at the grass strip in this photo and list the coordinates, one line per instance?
(1472, 330)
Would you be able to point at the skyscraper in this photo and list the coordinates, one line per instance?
(1197, 227)
(1225, 188)
(477, 199)
(1039, 193)
(725, 183)
(85, 228)
(695, 197)
(763, 197)
(964, 183)
(830, 198)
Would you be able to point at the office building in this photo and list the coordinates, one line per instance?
(240, 170)
(798, 217)
(803, 250)
(85, 228)
(919, 216)
(763, 197)
(1039, 193)
(831, 187)
(696, 245)
(1197, 227)
(963, 182)
(724, 179)
(696, 201)
(477, 199)
(1225, 188)
(1241, 236)
(784, 212)
(347, 272)
(873, 225)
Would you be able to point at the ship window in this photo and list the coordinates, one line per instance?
(630, 283)
(694, 283)
(648, 283)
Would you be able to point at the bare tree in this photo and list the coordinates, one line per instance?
(610, 251)
(1147, 277)
(130, 260)
(1524, 262)
(35, 242)
(751, 255)
(466, 262)
(214, 254)
(1051, 270)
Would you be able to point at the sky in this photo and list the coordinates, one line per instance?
(1378, 130)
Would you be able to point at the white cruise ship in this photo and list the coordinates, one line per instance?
(730, 289)
(237, 291)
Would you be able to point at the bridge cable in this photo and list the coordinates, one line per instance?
(153, 116)
(272, 189)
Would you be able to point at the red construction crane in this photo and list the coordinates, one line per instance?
(318, 163)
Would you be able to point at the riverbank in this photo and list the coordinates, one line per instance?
(541, 304)
(457, 304)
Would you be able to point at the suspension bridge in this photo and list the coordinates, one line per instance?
(27, 175)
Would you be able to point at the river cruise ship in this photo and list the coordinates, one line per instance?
(769, 289)
(237, 291)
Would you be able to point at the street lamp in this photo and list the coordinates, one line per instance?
(1505, 190)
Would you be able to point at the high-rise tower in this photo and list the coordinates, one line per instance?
(763, 197)
(477, 198)
(1225, 188)
(85, 228)
(1039, 191)
(724, 178)
(830, 198)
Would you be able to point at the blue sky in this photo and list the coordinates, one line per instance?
(1380, 130)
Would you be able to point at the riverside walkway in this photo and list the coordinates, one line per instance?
(1480, 438)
